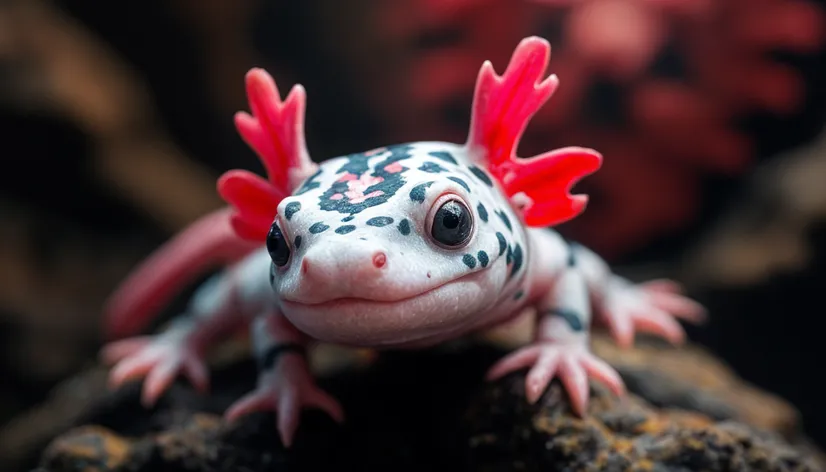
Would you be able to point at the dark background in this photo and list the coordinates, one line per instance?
(115, 119)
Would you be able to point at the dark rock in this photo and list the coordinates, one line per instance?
(431, 410)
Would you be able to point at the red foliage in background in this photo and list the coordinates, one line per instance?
(661, 130)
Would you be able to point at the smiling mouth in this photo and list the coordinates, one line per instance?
(343, 301)
(350, 301)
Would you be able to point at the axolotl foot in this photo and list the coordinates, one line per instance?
(572, 362)
(653, 307)
(160, 358)
(287, 391)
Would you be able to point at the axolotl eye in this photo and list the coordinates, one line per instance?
(277, 246)
(452, 222)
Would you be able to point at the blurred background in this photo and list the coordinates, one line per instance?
(116, 120)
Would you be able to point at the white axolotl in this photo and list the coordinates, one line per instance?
(404, 246)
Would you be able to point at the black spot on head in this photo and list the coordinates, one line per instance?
(363, 239)
(309, 184)
(418, 192)
(483, 212)
(380, 221)
(347, 218)
(291, 209)
(432, 168)
(481, 175)
(318, 228)
(404, 227)
(483, 258)
(469, 260)
(460, 182)
(444, 155)
(359, 165)
(503, 243)
(297, 242)
(345, 229)
(505, 219)
(519, 295)
(509, 256)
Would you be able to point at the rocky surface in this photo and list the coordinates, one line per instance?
(431, 411)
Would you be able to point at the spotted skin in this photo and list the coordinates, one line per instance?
(364, 253)
(483, 212)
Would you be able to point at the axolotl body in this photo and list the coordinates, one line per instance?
(404, 246)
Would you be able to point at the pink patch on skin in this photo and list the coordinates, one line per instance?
(357, 187)
(347, 177)
(373, 152)
(337, 196)
(393, 168)
(365, 197)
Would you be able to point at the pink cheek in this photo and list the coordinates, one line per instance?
(337, 196)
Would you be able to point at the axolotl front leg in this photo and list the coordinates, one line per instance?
(285, 384)
(215, 313)
(561, 341)
(240, 296)
(571, 287)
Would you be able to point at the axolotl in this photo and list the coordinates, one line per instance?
(401, 247)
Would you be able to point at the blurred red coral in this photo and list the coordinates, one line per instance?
(661, 129)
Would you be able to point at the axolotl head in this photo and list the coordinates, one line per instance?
(412, 243)
(397, 245)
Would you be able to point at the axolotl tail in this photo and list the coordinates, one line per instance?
(205, 244)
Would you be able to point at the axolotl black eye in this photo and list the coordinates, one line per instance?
(452, 224)
(277, 246)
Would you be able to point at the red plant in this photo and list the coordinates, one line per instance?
(670, 130)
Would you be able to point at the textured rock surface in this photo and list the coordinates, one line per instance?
(431, 411)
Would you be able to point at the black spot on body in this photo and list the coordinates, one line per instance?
(268, 359)
(417, 193)
(345, 229)
(297, 242)
(444, 155)
(509, 256)
(404, 227)
(519, 295)
(432, 167)
(483, 258)
(481, 175)
(469, 260)
(571, 253)
(517, 259)
(483, 212)
(318, 228)
(505, 219)
(291, 209)
(503, 243)
(380, 221)
(571, 317)
(347, 218)
(460, 182)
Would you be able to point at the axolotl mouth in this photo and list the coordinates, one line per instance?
(441, 312)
